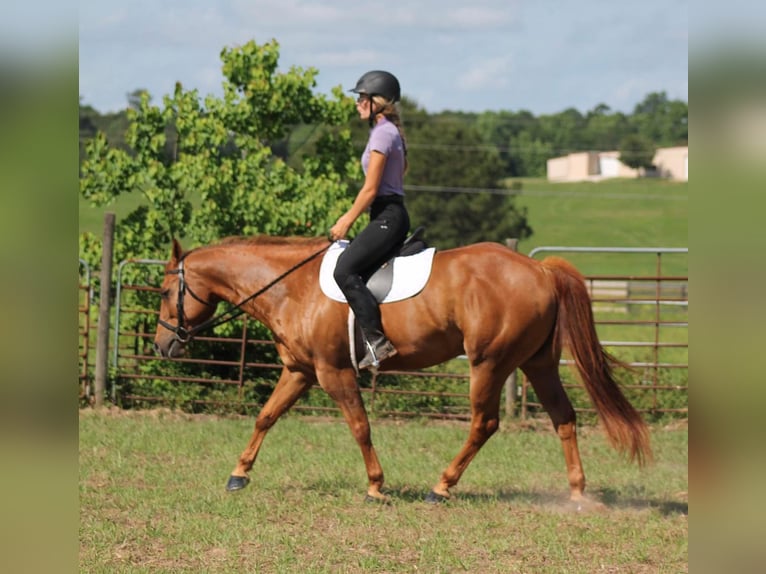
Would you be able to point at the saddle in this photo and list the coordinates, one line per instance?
(381, 281)
(404, 274)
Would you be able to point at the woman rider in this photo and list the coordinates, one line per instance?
(384, 162)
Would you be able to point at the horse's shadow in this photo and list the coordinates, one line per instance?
(611, 498)
(601, 499)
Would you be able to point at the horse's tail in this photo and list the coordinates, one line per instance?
(576, 331)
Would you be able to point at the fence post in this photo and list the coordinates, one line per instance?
(104, 305)
(510, 382)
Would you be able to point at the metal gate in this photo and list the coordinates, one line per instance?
(661, 387)
(649, 310)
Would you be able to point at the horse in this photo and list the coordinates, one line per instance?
(499, 308)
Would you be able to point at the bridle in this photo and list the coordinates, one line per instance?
(183, 334)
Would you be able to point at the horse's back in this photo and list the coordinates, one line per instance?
(491, 283)
(493, 265)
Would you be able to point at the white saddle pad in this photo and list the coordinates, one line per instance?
(411, 274)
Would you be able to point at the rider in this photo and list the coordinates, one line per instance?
(384, 162)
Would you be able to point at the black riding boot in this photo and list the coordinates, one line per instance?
(367, 313)
(377, 348)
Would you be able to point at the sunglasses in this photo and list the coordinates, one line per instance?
(362, 98)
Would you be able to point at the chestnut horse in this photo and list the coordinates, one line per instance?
(499, 308)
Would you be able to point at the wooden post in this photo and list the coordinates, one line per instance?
(510, 382)
(104, 306)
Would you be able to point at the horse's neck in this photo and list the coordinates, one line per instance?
(236, 273)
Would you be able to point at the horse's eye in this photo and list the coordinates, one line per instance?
(164, 293)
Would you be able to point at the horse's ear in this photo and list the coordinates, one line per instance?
(177, 251)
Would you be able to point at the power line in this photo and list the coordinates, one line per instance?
(448, 189)
(539, 193)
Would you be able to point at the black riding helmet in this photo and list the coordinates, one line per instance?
(379, 83)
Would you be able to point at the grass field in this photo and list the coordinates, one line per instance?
(610, 213)
(152, 500)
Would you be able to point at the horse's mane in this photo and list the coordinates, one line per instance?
(259, 240)
(269, 240)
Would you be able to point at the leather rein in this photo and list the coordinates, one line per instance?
(184, 334)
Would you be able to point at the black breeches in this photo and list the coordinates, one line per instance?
(388, 227)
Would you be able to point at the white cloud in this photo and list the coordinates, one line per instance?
(347, 58)
(486, 75)
(290, 13)
(449, 54)
(481, 17)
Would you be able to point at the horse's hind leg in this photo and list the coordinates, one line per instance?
(543, 372)
(486, 388)
(291, 385)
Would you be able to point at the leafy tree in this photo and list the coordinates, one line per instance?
(636, 151)
(661, 121)
(207, 169)
(501, 129)
(604, 130)
(135, 97)
(530, 155)
(447, 153)
(563, 131)
(223, 178)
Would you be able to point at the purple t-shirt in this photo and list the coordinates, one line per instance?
(385, 138)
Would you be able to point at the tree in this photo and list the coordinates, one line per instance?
(207, 170)
(447, 153)
(501, 129)
(662, 121)
(563, 131)
(636, 151)
(135, 97)
(223, 178)
(530, 155)
(604, 130)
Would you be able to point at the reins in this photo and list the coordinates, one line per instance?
(185, 335)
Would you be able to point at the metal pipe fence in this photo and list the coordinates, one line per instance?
(634, 315)
(650, 308)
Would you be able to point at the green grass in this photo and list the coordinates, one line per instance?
(91, 218)
(152, 500)
(610, 213)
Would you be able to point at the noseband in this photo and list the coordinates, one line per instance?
(182, 334)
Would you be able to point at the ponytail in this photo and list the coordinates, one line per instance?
(391, 112)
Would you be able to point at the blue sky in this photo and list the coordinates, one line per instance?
(540, 55)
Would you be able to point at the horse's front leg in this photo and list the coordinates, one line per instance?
(341, 385)
(291, 385)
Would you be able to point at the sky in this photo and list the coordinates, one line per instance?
(539, 55)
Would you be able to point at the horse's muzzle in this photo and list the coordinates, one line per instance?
(173, 350)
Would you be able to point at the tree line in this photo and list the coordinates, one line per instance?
(522, 141)
(315, 134)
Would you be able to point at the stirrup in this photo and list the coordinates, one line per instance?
(379, 351)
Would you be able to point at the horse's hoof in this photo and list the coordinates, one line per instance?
(237, 483)
(435, 498)
(369, 499)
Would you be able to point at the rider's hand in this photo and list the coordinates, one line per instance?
(340, 229)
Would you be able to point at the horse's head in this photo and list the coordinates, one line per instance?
(186, 304)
